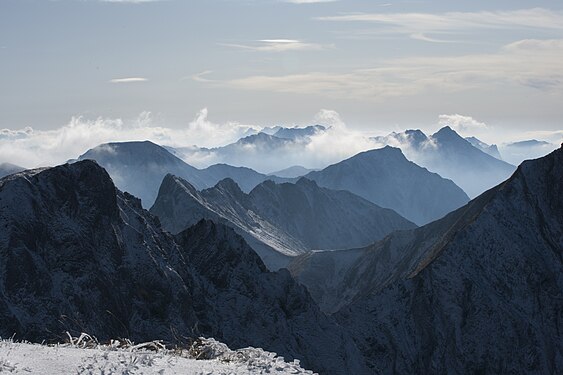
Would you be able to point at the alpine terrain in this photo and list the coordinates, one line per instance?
(475, 292)
(139, 167)
(278, 220)
(78, 255)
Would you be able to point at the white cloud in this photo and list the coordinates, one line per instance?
(128, 80)
(32, 148)
(465, 125)
(527, 63)
(278, 45)
(205, 133)
(416, 24)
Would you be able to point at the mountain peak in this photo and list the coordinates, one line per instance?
(230, 186)
(447, 133)
(387, 152)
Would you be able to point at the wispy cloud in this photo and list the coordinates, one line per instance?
(278, 45)
(465, 125)
(530, 63)
(128, 80)
(419, 25)
(308, 1)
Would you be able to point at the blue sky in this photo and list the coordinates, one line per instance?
(379, 65)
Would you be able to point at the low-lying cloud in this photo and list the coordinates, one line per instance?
(33, 148)
(30, 148)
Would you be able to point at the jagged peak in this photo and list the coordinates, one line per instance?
(171, 180)
(228, 185)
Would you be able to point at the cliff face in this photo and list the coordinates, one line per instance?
(78, 255)
(476, 292)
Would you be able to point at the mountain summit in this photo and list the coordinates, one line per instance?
(386, 178)
(451, 156)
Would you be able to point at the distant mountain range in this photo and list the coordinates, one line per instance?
(265, 151)
(451, 156)
(516, 152)
(478, 291)
(78, 255)
(386, 178)
(278, 220)
(139, 167)
(292, 172)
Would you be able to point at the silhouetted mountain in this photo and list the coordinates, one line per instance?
(451, 156)
(517, 152)
(299, 133)
(273, 149)
(478, 291)
(78, 255)
(7, 169)
(139, 167)
(386, 178)
(278, 220)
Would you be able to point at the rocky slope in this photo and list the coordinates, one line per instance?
(279, 220)
(479, 291)
(78, 255)
(386, 178)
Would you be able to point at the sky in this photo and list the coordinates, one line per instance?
(85, 71)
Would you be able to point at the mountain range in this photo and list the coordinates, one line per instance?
(386, 178)
(278, 220)
(265, 151)
(139, 167)
(516, 152)
(78, 255)
(451, 156)
(478, 291)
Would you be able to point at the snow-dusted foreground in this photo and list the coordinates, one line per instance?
(26, 358)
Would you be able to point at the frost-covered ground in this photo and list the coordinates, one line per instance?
(26, 358)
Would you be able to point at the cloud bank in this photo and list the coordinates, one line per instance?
(34, 148)
(31, 148)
